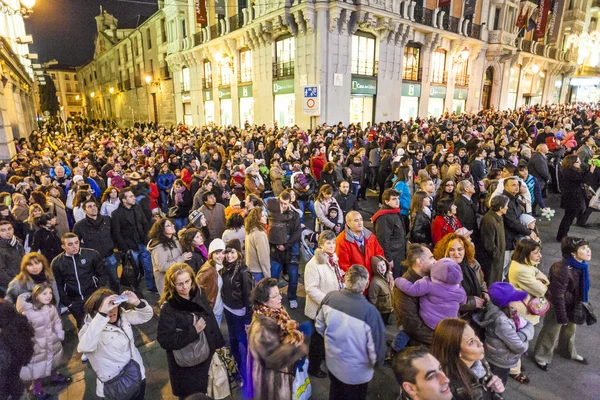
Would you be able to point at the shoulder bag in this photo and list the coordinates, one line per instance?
(537, 306)
(194, 353)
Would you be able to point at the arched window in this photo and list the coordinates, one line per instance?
(363, 54)
(185, 79)
(207, 80)
(411, 68)
(245, 65)
(438, 66)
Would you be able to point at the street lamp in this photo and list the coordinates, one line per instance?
(111, 90)
(93, 94)
(77, 97)
(535, 68)
(148, 79)
(464, 54)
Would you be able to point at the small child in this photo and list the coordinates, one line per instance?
(529, 222)
(441, 295)
(332, 216)
(39, 308)
(380, 289)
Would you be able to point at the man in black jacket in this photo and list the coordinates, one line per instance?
(79, 272)
(95, 232)
(11, 254)
(130, 233)
(513, 228)
(345, 199)
(390, 231)
(538, 165)
(465, 208)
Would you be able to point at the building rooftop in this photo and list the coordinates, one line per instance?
(133, 22)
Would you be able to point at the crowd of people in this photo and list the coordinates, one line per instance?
(216, 220)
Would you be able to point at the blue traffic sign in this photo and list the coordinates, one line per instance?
(311, 91)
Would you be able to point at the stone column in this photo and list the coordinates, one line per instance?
(389, 81)
(262, 73)
(7, 143)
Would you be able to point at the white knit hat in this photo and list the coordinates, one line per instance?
(216, 245)
(234, 201)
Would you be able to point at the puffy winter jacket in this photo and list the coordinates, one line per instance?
(49, 333)
(503, 344)
(165, 181)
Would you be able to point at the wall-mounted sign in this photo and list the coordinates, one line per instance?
(437, 92)
(411, 90)
(224, 93)
(285, 86)
(208, 95)
(244, 91)
(364, 86)
(461, 94)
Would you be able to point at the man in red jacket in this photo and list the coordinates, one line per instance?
(356, 245)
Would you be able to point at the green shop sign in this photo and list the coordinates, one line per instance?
(244, 91)
(411, 90)
(208, 95)
(224, 93)
(364, 86)
(461, 94)
(437, 92)
(285, 86)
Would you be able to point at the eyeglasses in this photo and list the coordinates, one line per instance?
(169, 226)
(181, 285)
(449, 184)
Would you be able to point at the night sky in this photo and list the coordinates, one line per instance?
(65, 29)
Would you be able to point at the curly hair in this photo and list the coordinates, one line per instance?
(186, 239)
(157, 233)
(253, 220)
(441, 248)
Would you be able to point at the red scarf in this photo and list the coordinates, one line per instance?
(333, 263)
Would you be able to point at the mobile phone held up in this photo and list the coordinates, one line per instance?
(120, 299)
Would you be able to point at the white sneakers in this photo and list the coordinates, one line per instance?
(293, 304)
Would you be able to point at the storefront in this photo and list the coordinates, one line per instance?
(226, 106)
(285, 102)
(459, 101)
(585, 89)
(187, 109)
(409, 102)
(246, 105)
(513, 87)
(437, 99)
(209, 107)
(362, 100)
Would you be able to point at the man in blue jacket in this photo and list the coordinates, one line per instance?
(354, 337)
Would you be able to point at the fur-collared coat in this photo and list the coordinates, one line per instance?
(271, 362)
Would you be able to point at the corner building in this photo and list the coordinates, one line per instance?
(374, 60)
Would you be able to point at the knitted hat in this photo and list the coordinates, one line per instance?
(234, 201)
(77, 178)
(195, 216)
(447, 270)
(216, 245)
(526, 219)
(234, 244)
(503, 293)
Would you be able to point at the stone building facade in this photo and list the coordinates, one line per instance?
(128, 79)
(67, 87)
(373, 60)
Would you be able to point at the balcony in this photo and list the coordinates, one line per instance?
(185, 87)
(453, 24)
(475, 31)
(439, 77)
(364, 67)
(414, 74)
(207, 83)
(283, 69)
(427, 17)
(137, 81)
(501, 37)
(245, 76)
(127, 84)
(225, 80)
(164, 72)
(120, 87)
(574, 15)
(461, 80)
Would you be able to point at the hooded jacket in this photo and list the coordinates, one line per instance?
(441, 294)
(380, 293)
(391, 234)
(503, 344)
(49, 334)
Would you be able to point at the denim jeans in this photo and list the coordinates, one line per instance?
(258, 276)
(164, 200)
(142, 257)
(180, 223)
(311, 207)
(401, 340)
(236, 326)
(293, 274)
(219, 318)
(354, 189)
(110, 266)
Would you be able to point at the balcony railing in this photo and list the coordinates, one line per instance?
(453, 24)
(120, 86)
(245, 76)
(185, 87)
(283, 69)
(461, 80)
(439, 77)
(475, 31)
(127, 84)
(164, 72)
(364, 67)
(225, 80)
(412, 74)
(427, 17)
(419, 11)
(527, 45)
(207, 83)
(137, 81)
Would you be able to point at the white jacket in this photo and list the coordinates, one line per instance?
(322, 222)
(109, 347)
(319, 279)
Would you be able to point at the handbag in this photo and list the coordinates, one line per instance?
(218, 380)
(537, 305)
(301, 388)
(595, 200)
(128, 381)
(130, 274)
(194, 353)
(172, 212)
(583, 312)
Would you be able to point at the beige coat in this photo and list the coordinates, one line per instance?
(162, 258)
(531, 280)
(276, 174)
(59, 209)
(319, 279)
(258, 253)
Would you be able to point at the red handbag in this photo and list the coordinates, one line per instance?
(537, 306)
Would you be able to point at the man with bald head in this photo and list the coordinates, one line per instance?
(538, 165)
(356, 245)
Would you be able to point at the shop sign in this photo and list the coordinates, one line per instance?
(311, 100)
(411, 90)
(208, 95)
(364, 86)
(437, 92)
(285, 86)
(244, 91)
(224, 93)
(461, 94)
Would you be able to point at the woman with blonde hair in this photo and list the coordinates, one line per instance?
(257, 249)
(185, 314)
(35, 270)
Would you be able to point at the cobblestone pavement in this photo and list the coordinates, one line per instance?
(565, 379)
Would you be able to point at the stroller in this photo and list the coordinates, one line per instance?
(308, 244)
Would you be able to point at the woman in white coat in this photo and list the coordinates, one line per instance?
(322, 275)
(106, 337)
